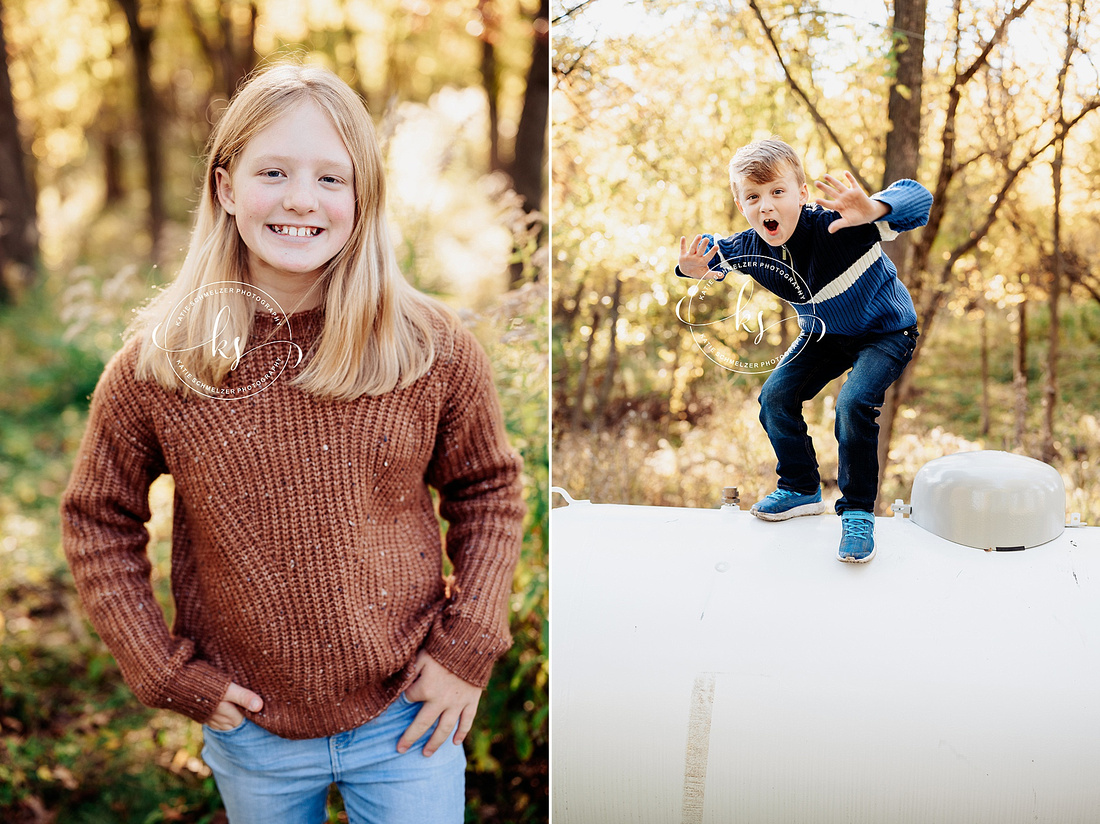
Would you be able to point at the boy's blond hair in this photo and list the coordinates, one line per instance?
(764, 160)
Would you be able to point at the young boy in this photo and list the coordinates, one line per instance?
(858, 316)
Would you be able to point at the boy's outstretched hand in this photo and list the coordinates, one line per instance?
(693, 259)
(446, 698)
(855, 207)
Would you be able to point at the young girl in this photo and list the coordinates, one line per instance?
(314, 634)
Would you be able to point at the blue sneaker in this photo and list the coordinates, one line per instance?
(857, 542)
(783, 504)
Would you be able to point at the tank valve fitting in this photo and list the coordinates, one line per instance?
(899, 508)
(731, 497)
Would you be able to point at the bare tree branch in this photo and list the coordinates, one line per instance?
(995, 38)
(797, 89)
(936, 299)
(564, 71)
(948, 167)
(1080, 281)
(570, 12)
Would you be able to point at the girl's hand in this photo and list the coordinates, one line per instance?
(228, 713)
(855, 207)
(693, 260)
(446, 698)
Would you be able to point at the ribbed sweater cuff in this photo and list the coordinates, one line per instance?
(909, 203)
(718, 274)
(466, 649)
(195, 691)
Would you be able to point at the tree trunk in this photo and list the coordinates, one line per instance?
(1050, 384)
(231, 55)
(563, 319)
(612, 367)
(528, 163)
(107, 133)
(238, 51)
(490, 81)
(141, 40)
(18, 223)
(113, 187)
(983, 337)
(1048, 451)
(902, 158)
(567, 309)
(669, 416)
(904, 111)
(1019, 375)
(582, 379)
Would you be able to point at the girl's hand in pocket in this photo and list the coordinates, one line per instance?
(446, 698)
(228, 714)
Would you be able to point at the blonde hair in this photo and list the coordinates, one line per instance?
(378, 330)
(764, 160)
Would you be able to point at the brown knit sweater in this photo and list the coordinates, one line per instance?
(306, 555)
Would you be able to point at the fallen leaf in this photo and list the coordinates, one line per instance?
(65, 776)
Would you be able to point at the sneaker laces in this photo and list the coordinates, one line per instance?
(782, 494)
(859, 526)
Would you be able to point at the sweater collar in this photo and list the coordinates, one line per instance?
(303, 326)
(800, 238)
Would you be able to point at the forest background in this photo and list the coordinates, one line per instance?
(991, 104)
(105, 106)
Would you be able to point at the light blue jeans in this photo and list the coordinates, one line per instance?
(263, 778)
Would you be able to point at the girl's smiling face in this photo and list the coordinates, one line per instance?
(772, 208)
(292, 194)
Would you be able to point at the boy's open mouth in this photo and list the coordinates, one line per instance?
(295, 231)
(771, 225)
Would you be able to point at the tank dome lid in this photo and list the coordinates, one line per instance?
(990, 500)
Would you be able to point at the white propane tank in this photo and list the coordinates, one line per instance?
(712, 668)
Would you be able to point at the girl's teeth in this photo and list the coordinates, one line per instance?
(295, 231)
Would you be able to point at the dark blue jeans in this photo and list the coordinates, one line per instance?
(876, 361)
